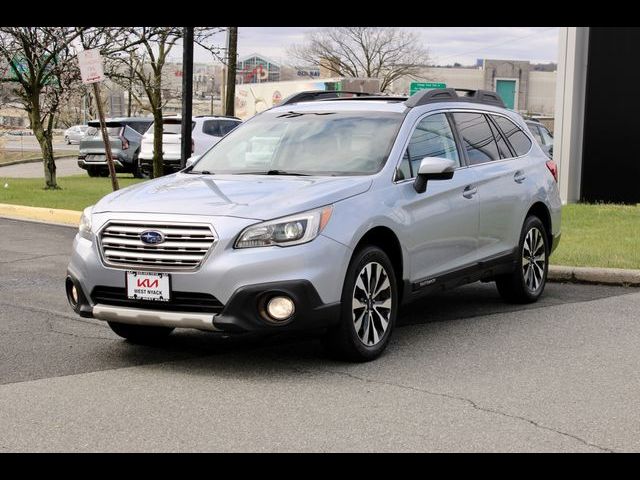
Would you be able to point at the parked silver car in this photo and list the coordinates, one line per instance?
(74, 134)
(329, 214)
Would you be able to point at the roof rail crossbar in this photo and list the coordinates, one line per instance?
(373, 96)
(425, 97)
(311, 95)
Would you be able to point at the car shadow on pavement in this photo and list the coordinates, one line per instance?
(465, 303)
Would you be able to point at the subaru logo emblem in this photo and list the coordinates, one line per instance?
(152, 237)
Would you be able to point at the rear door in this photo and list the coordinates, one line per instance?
(444, 219)
(502, 180)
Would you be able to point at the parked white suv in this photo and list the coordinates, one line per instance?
(206, 131)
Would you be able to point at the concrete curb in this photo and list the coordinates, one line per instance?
(602, 276)
(46, 215)
(557, 273)
(32, 160)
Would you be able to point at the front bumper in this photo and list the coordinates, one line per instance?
(243, 313)
(234, 282)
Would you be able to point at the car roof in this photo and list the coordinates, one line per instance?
(347, 105)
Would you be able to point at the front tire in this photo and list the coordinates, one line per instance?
(369, 308)
(526, 283)
(93, 171)
(141, 334)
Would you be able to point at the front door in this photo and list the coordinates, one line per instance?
(507, 91)
(442, 221)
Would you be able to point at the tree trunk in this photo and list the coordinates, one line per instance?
(158, 167)
(46, 146)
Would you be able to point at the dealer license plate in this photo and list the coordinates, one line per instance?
(148, 286)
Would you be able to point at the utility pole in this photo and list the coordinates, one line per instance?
(130, 85)
(213, 89)
(232, 49)
(187, 94)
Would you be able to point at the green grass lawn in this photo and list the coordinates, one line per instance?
(77, 192)
(598, 235)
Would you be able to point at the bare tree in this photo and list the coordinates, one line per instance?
(138, 63)
(42, 75)
(386, 53)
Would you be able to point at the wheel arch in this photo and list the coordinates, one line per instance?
(386, 239)
(540, 210)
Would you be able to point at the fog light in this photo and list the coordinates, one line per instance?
(280, 308)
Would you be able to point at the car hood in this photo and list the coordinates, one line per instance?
(257, 197)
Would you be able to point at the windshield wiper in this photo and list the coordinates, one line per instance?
(284, 172)
(276, 172)
(203, 172)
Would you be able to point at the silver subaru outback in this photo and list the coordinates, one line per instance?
(330, 212)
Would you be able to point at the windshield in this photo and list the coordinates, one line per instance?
(306, 143)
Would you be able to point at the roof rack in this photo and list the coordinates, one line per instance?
(312, 95)
(373, 96)
(425, 97)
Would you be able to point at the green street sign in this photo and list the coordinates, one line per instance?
(417, 86)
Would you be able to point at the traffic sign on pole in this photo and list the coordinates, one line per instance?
(417, 86)
(90, 63)
(92, 72)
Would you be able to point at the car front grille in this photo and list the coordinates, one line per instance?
(184, 247)
(179, 302)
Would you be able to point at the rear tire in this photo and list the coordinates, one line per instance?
(526, 283)
(141, 334)
(369, 308)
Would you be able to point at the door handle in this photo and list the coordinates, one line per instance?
(519, 176)
(469, 191)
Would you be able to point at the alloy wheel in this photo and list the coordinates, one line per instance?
(372, 303)
(534, 257)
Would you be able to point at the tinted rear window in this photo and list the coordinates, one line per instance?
(139, 127)
(516, 137)
(111, 131)
(218, 128)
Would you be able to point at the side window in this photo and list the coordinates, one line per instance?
(516, 137)
(218, 128)
(477, 138)
(502, 145)
(226, 126)
(432, 137)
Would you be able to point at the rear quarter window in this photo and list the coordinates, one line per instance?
(515, 136)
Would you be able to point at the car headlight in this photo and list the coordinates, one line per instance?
(84, 228)
(287, 231)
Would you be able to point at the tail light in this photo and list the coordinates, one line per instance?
(125, 142)
(553, 168)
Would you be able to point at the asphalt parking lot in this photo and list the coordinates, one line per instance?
(464, 372)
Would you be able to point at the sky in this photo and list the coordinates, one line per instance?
(446, 45)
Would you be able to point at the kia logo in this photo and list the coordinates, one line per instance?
(152, 237)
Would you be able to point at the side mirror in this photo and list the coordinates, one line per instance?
(191, 160)
(433, 168)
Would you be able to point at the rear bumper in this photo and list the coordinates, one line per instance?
(85, 164)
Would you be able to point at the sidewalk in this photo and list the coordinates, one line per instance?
(65, 166)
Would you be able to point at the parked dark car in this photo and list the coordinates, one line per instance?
(125, 138)
(542, 135)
